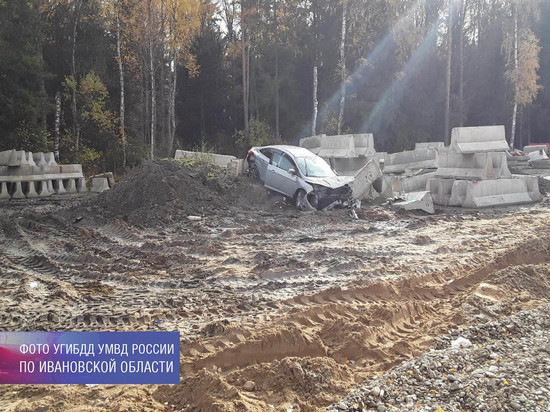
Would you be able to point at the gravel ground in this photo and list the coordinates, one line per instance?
(499, 366)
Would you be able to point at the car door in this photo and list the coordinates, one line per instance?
(278, 177)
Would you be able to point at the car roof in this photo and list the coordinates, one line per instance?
(296, 151)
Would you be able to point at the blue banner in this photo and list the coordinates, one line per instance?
(90, 357)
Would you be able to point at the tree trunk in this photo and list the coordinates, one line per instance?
(153, 99)
(516, 86)
(172, 106)
(75, 128)
(245, 72)
(57, 123)
(342, 66)
(461, 64)
(315, 101)
(121, 85)
(448, 77)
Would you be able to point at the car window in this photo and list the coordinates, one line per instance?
(282, 161)
(267, 152)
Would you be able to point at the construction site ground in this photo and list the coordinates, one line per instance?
(277, 309)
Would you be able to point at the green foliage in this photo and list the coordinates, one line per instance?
(32, 138)
(259, 134)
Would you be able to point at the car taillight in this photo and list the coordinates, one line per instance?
(249, 153)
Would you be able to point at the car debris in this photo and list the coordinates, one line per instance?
(300, 175)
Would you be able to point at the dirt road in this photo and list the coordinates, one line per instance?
(277, 309)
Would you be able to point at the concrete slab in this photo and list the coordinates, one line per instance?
(411, 159)
(235, 168)
(478, 139)
(418, 201)
(363, 180)
(500, 192)
(217, 159)
(393, 185)
(99, 184)
(477, 166)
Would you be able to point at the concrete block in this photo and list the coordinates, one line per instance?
(411, 159)
(70, 169)
(43, 191)
(4, 194)
(458, 193)
(39, 159)
(478, 139)
(235, 168)
(71, 186)
(18, 192)
(476, 166)
(59, 187)
(537, 155)
(500, 192)
(535, 148)
(363, 180)
(217, 159)
(429, 145)
(31, 190)
(110, 178)
(19, 158)
(50, 187)
(418, 201)
(50, 159)
(341, 146)
(532, 183)
(99, 184)
(441, 190)
(351, 165)
(81, 185)
(393, 185)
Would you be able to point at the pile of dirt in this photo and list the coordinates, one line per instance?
(163, 191)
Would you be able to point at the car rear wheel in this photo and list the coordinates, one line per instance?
(254, 173)
(301, 201)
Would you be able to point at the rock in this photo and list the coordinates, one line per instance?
(381, 408)
(249, 386)
(375, 391)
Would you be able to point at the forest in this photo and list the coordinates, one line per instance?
(107, 83)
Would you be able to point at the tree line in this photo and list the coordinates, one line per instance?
(107, 83)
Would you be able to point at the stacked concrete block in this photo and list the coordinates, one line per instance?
(473, 172)
(99, 184)
(347, 153)
(29, 175)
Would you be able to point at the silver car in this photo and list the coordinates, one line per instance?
(299, 174)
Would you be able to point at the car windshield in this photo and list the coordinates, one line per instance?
(314, 166)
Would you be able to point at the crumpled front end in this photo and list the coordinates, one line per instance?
(322, 196)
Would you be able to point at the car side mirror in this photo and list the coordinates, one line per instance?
(292, 171)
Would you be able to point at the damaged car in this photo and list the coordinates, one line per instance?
(300, 175)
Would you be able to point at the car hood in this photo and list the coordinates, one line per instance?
(333, 182)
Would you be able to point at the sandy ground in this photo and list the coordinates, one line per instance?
(304, 306)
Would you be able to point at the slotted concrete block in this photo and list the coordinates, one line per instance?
(411, 159)
(50, 159)
(363, 180)
(476, 166)
(50, 187)
(418, 201)
(478, 139)
(18, 192)
(4, 194)
(99, 184)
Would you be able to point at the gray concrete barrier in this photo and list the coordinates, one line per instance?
(478, 166)
(478, 139)
(411, 159)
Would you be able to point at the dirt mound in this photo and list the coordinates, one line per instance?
(164, 191)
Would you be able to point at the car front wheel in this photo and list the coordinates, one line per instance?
(302, 202)
(254, 173)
